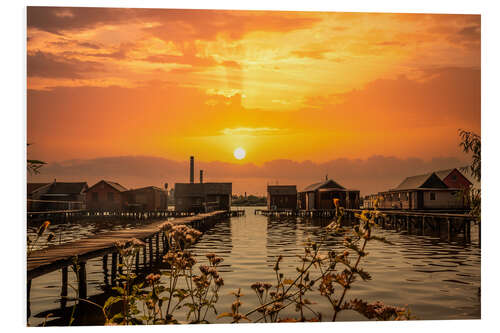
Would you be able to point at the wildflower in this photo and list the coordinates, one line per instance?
(219, 282)
(236, 304)
(43, 227)
(205, 269)
(137, 242)
(152, 278)
(336, 202)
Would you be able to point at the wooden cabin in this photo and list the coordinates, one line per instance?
(150, 198)
(106, 196)
(422, 192)
(57, 196)
(320, 196)
(203, 197)
(34, 192)
(281, 197)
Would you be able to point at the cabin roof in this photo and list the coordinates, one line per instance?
(32, 187)
(421, 181)
(465, 170)
(147, 188)
(330, 183)
(114, 185)
(282, 189)
(67, 188)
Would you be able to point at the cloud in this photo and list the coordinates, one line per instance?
(49, 65)
(171, 24)
(250, 131)
(369, 175)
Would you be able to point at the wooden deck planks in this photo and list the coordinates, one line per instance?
(56, 256)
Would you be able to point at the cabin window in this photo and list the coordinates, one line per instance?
(454, 177)
(95, 196)
(433, 196)
(111, 196)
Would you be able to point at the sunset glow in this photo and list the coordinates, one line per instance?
(306, 87)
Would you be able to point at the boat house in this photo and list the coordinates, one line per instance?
(422, 192)
(106, 196)
(281, 197)
(150, 198)
(202, 197)
(56, 196)
(320, 196)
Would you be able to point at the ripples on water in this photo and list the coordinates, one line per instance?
(436, 278)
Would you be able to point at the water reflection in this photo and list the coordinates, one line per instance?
(436, 277)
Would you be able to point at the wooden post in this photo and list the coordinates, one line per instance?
(28, 292)
(150, 241)
(82, 280)
(144, 256)
(137, 260)
(448, 228)
(113, 268)
(157, 236)
(423, 225)
(408, 225)
(467, 230)
(64, 286)
(105, 268)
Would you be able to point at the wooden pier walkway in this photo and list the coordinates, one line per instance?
(61, 256)
(411, 221)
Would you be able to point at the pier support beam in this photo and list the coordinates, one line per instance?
(82, 280)
(64, 286)
(28, 292)
(157, 240)
(113, 267)
(150, 242)
(448, 229)
(423, 226)
(105, 269)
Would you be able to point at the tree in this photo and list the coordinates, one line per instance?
(471, 143)
(34, 165)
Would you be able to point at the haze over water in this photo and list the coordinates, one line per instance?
(435, 278)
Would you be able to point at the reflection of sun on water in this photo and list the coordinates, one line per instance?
(239, 153)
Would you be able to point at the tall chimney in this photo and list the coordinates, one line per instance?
(201, 176)
(191, 169)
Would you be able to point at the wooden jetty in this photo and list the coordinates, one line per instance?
(61, 256)
(74, 214)
(410, 221)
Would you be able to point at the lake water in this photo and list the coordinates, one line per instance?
(435, 277)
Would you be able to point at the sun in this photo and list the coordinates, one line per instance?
(239, 153)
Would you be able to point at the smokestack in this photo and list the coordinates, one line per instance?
(191, 169)
(201, 176)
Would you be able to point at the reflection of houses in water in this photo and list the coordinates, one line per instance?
(202, 197)
(320, 196)
(281, 197)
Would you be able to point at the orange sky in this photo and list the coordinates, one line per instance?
(283, 85)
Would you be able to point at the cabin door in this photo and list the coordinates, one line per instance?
(420, 200)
